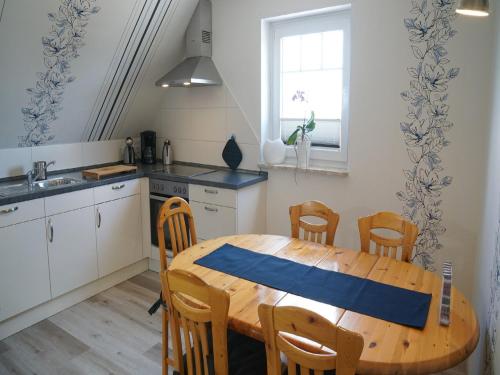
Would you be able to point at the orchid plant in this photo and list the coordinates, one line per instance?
(307, 125)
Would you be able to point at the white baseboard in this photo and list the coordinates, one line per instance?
(47, 309)
(154, 265)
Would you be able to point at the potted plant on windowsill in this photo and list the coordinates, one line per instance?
(301, 141)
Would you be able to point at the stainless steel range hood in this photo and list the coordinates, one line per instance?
(198, 68)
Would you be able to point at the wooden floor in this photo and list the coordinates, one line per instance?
(111, 333)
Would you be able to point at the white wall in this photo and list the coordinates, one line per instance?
(380, 56)
(168, 52)
(108, 32)
(377, 154)
(22, 27)
(18, 161)
(487, 291)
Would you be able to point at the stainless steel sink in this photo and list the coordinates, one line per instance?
(7, 190)
(58, 181)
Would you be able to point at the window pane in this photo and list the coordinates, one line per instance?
(290, 54)
(311, 79)
(326, 133)
(318, 91)
(311, 52)
(333, 44)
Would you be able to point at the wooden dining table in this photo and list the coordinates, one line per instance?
(389, 348)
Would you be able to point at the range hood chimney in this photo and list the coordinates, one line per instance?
(198, 68)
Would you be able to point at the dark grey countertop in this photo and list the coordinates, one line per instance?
(220, 177)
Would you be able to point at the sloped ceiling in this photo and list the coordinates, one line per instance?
(84, 70)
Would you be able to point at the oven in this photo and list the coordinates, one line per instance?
(160, 191)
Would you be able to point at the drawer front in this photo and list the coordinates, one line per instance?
(212, 195)
(23, 211)
(213, 221)
(68, 201)
(117, 190)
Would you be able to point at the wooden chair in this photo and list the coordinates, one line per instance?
(387, 246)
(314, 232)
(202, 313)
(278, 321)
(174, 212)
(176, 286)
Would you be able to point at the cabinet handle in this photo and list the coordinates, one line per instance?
(118, 187)
(211, 191)
(98, 218)
(51, 231)
(211, 209)
(9, 210)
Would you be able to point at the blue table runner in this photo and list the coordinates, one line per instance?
(368, 297)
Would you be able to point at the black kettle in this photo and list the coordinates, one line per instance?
(128, 152)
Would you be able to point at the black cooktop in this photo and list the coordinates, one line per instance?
(182, 170)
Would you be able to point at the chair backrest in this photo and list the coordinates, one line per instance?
(388, 246)
(278, 321)
(177, 213)
(193, 305)
(314, 232)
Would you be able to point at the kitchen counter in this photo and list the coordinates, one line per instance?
(219, 177)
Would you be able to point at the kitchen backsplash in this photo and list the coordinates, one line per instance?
(18, 161)
(199, 122)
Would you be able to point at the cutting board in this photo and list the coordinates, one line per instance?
(98, 173)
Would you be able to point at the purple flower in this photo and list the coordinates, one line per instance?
(299, 96)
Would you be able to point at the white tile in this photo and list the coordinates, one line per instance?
(251, 157)
(238, 125)
(207, 97)
(207, 125)
(198, 152)
(211, 153)
(102, 152)
(15, 161)
(176, 97)
(230, 101)
(174, 123)
(66, 156)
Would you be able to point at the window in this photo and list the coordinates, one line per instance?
(310, 61)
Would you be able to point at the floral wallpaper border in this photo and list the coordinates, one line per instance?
(493, 306)
(60, 48)
(2, 8)
(430, 27)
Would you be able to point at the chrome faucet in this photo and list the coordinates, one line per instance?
(39, 171)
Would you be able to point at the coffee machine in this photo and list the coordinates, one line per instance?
(148, 147)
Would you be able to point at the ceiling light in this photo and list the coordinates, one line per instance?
(164, 85)
(476, 8)
(187, 83)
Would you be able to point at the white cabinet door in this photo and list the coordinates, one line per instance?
(213, 221)
(72, 250)
(24, 268)
(119, 239)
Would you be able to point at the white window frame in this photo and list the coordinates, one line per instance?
(331, 20)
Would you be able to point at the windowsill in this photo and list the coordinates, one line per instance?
(313, 169)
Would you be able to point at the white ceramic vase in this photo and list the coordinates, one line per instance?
(303, 151)
(274, 151)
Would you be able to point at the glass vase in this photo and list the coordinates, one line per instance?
(303, 152)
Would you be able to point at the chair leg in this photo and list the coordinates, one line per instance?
(164, 351)
(176, 361)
